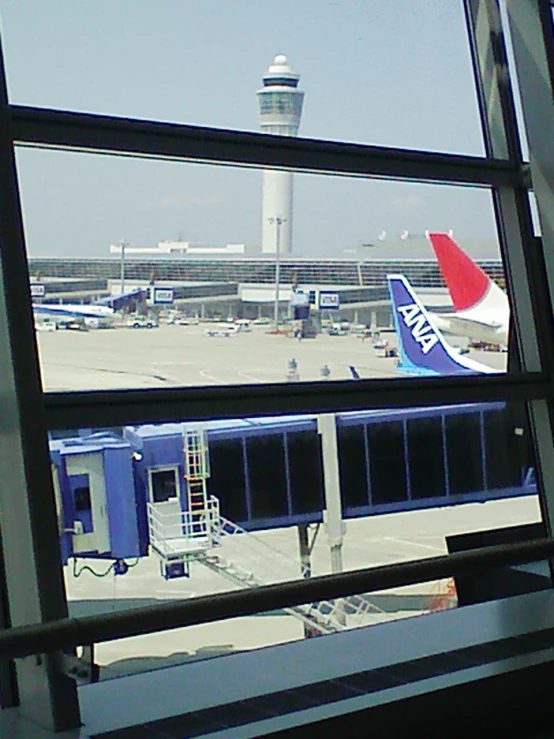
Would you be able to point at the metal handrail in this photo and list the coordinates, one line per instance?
(66, 633)
(184, 524)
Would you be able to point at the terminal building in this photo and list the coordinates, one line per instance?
(244, 286)
(170, 473)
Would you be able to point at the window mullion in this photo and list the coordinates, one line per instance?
(121, 136)
(116, 408)
(31, 554)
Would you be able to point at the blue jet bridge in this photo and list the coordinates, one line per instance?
(177, 489)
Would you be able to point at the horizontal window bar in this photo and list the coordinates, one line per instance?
(44, 127)
(119, 407)
(66, 633)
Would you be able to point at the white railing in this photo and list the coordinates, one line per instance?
(177, 532)
(275, 565)
(245, 559)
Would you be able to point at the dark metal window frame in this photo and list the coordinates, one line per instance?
(502, 170)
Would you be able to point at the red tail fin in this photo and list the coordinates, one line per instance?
(466, 281)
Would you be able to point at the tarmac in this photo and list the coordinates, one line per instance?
(183, 355)
(368, 542)
(171, 355)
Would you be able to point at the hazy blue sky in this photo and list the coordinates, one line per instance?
(395, 73)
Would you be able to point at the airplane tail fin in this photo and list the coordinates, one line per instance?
(467, 283)
(423, 350)
(354, 372)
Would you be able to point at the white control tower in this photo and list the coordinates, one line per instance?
(280, 109)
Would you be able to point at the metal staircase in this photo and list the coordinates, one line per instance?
(247, 561)
(179, 537)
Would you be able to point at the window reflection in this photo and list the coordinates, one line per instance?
(203, 508)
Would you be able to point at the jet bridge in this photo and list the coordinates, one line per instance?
(95, 496)
(177, 490)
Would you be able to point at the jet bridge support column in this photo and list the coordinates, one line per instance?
(304, 550)
(305, 562)
(332, 515)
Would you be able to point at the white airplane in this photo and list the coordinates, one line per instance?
(94, 315)
(482, 308)
(422, 348)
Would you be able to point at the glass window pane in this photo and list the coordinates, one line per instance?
(197, 296)
(393, 74)
(426, 466)
(353, 465)
(164, 485)
(414, 483)
(227, 478)
(267, 476)
(305, 473)
(464, 457)
(387, 462)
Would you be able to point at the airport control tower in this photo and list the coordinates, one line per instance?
(280, 103)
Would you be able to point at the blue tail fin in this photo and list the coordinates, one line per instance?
(354, 372)
(423, 350)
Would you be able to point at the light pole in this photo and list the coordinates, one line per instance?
(122, 265)
(361, 263)
(278, 221)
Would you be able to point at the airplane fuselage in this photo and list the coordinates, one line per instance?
(470, 324)
(92, 315)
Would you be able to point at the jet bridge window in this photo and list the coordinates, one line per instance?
(305, 472)
(82, 499)
(352, 463)
(268, 482)
(163, 485)
(505, 452)
(226, 481)
(387, 462)
(80, 486)
(426, 457)
(464, 453)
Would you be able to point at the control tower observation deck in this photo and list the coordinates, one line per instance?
(280, 104)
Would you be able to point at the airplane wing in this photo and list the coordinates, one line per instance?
(117, 301)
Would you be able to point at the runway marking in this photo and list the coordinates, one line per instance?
(249, 376)
(170, 364)
(413, 543)
(204, 373)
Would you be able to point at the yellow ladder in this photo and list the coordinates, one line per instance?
(197, 471)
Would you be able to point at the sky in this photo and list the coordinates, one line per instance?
(396, 74)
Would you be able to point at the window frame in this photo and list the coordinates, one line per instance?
(31, 412)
